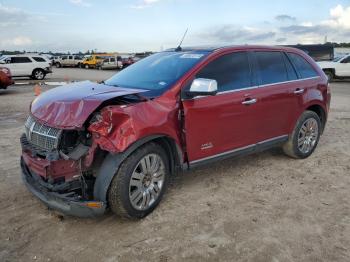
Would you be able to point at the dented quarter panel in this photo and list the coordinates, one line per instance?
(68, 106)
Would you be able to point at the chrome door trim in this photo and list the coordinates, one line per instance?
(257, 86)
(249, 102)
(238, 149)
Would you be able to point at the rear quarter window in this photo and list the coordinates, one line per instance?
(302, 66)
(39, 59)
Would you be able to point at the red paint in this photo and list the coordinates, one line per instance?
(5, 77)
(68, 106)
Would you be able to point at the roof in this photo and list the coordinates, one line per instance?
(223, 47)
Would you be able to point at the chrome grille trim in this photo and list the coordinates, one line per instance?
(42, 136)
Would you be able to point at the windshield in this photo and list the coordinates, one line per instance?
(158, 72)
(337, 58)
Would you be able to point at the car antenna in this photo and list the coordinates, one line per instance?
(178, 49)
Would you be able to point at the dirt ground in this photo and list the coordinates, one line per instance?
(264, 207)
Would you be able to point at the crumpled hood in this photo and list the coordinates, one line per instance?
(70, 105)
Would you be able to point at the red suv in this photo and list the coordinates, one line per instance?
(5, 78)
(88, 147)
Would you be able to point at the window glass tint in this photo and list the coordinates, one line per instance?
(271, 67)
(302, 66)
(20, 59)
(112, 59)
(292, 75)
(39, 59)
(346, 60)
(231, 71)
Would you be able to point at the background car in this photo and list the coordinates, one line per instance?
(127, 61)
(93, 61)
(114, 62)
(33, 66)
(337, 69)
(69, 61)
(5, 78)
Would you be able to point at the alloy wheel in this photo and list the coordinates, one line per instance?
(146, 181)
(308, 135)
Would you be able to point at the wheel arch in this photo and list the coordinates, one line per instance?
(112, 162)
(38, 68)
(320, 111)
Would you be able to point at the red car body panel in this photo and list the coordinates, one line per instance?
(5, 77)
(69, 106)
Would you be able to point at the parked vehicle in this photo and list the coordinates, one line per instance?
(339, 68)
(33, 66)
(90, 146)
(323, 52)
(127, 61)
(69, 61)
(5, 77)
(95, 60)
(114, 62)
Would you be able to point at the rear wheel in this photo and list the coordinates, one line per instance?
(305, 136)
(87, 66)
(38, 74)
(140, 182)
(58, 65)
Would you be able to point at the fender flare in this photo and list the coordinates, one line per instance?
(109, 166)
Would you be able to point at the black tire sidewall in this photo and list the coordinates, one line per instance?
(124, 181)
(306, 115)
(36, 70)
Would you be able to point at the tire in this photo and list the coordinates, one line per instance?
(301, 145)
(329, 75)
(58, 65)
(133, 194)
(86, 66)
(38, 74)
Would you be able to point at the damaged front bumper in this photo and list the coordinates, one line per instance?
(60, 202)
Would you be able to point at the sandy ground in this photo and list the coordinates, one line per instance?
(264, 207)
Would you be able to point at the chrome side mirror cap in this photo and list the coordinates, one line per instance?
(203, 87)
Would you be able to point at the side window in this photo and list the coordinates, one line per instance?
(70, 57)
(20, 60)
(39, 59)
(292, 74)
(112, 59)
(302, 66)
(231, 71)
(64, 57)
(346, 60)
(272, 68)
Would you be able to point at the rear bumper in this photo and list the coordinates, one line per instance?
(58, 201)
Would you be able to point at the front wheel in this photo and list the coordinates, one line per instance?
(305, 136)
(329, 75)
(140, 182)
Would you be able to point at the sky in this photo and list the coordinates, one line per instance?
(153, 25)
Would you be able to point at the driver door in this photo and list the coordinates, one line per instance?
(217, 125)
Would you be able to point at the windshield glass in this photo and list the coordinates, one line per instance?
(158, 72)
(337, 58)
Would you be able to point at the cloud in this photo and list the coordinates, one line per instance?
(144, 4)
(229, 34)
(16, 42)
(281, 40)
(80, 3)
(285, 18)
(10, 16)
(339, 17)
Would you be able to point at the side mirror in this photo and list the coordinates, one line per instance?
(203, 87)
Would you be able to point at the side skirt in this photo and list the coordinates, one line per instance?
(258, 147)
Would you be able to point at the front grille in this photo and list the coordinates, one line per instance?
(42, 136)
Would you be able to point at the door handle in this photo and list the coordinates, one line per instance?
(249, 102)
(299, 91)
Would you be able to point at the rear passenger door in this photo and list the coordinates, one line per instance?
(276, 101)
(21, 66)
